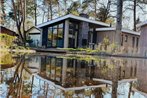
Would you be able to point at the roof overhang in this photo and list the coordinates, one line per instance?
(123, 30)
(73, 17)
(141, 24)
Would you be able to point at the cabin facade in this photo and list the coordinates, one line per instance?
(70, 31)
(129, 38)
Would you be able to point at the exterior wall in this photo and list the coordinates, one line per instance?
(36, 39)
(35, 36)
(111, 34)
(102, 34)
(129, 41)
(143, 42)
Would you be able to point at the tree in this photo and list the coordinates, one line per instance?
(73, 9)
(51, 4)
(35, 9)
(104, 12)
(19, 9)
(119, 21)
(2, 12)
(133, 7)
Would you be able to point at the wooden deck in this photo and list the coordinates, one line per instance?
(52, 50)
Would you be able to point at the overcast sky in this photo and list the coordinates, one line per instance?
(127, 20)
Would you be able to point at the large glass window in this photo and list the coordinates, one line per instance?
(54, 41)
(73, 32)
(49, 43)
(133, 41)
(55, 36)
(60, 36)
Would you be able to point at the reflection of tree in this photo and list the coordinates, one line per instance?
(16, 82)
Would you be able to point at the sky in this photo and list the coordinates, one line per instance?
(127, 21)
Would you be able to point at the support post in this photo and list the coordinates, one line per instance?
(66, 33)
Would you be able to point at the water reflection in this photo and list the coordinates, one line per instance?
(47, 76)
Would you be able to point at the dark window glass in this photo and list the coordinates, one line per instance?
(71, 43)
(126, 38)
(73, 33)
(60, 35)
(84, 42)
(49, 43)
(55, 36)
(122, 40)
(54, 41)
(133, 41)
(137, 41)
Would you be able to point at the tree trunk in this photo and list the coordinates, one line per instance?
(35, 9)
(3, 12)
(48, 15)
(20, 16)
(134, 12)
(51, 11)
(119, 22)
(59, 12)
(95, 1)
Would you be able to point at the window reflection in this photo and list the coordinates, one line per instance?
(49, 37)
(55, 36)
(54, 41)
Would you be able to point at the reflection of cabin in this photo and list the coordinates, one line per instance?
(34, 37)
(61, 70)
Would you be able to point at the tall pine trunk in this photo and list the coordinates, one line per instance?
(35, 9)
(134, 15)
(119, 22)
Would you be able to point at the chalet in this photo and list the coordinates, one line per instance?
(69, 31)
(72, 31)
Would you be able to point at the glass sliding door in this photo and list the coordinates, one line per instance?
(54, 41)
(60, 35)
(73, 35)
(49, 42)
(55, 36)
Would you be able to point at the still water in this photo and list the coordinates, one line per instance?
(68, 76)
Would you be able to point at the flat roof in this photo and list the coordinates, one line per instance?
(123, 30)
(142, 24)
(73, 17)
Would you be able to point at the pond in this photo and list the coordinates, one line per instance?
(71, 76)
